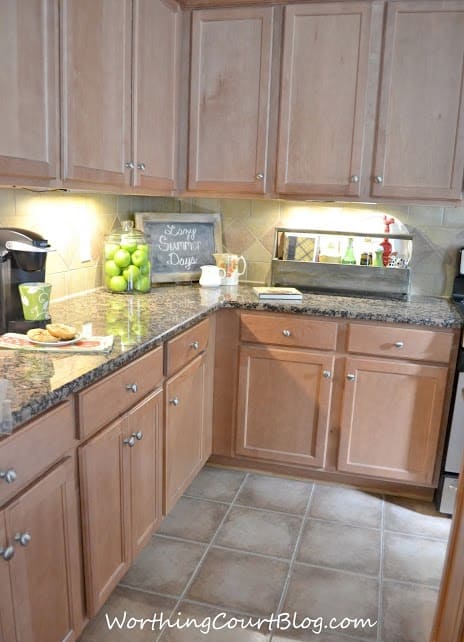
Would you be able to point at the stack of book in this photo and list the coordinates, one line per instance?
(288, 294)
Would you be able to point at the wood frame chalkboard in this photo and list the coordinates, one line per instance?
(180, 243)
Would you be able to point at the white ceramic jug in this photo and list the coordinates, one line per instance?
(211, 276)
(229, 263)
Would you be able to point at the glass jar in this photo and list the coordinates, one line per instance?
(126, 261)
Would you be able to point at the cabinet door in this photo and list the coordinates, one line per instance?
(7, 626)
(229, 106)
(146, 468)
(45, 569)
(283, 405)
(184, 425)
(420, 133)
(323, 98)
(155, 93)
(96, 88)
(29, 121)
(391, 419)
(105, 497)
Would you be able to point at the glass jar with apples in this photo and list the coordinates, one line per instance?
(126, 260)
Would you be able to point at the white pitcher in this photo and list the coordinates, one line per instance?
(229, 263)
(211, 276)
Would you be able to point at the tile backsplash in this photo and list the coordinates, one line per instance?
(76, 223)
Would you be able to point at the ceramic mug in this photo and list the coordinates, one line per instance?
(229, 263)
(211, 276)
(35, 298)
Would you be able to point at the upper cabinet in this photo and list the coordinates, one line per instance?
(420, 133)
(230, 100)
(323, 98)
(119, 93)
(29, 117)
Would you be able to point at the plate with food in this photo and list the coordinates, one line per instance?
(54, 334)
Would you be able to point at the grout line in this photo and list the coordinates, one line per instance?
(339, 570)
(254, 553)
(147, 591)
(264, 510)
(184, 540)
(206, 499)
(417, 535)
(337, 522)
(382, 552)
(434, 587)
(205, 553)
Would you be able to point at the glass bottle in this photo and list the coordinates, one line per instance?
(349, 257)
(126, 262)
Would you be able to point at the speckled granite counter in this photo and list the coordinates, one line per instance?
(38, 381)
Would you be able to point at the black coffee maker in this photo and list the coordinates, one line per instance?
(23, 255)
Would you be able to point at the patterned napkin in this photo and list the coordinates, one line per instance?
(87, 345)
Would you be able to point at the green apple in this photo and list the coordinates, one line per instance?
(139, 257)
(122, 258)
(143, 284)
(145, 268)
(143, 247)
(111, 269)
(118, 284)
(110, 249)
(131, 273)
(129, 243)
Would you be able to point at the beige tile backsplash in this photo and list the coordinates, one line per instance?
(73, 221)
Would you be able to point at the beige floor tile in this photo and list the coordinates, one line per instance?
(258, 531)
(340, 546)
(275, 493)
(415, 517)
(326, 593)
(348, 505)
(407, 612)
(194, 519)
(413, 559)
(212, 625)
(136, 605)
(219, 484)
(164, 566)
(239, 581)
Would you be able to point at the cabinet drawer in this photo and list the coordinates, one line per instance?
(400, 342)
(185, 347)
(287, 330)
(104, 401)
(34, 448)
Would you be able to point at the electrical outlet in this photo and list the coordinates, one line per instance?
(84, 250)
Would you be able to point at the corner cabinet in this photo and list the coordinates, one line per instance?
(420, 130)
(230, 99)
(323, 99)
(29, 109)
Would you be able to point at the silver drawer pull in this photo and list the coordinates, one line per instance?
(132, 387)
(399, 344)
(7, 553)
(175, 401)
(326, 374)
(286, 333)
(23, 538)
(453, 488)
(8, 475)
(351, 377)
(195, 345)
(138, 435)
(130, 441)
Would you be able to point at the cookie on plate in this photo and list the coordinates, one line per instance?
(62, 331)
(41, 335)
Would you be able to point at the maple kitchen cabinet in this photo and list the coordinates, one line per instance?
(420, 130)
(119, 84)
(323, 99)
(29, 109)
(231, 58)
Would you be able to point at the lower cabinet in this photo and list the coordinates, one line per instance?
(391, 419)
(185, 425)
(283, 404)
(40, 573)
(121, 481)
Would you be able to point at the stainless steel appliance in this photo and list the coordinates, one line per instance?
(23, 255)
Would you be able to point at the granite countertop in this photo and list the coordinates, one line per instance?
(37, 381)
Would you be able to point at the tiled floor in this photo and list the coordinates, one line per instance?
(252, 545)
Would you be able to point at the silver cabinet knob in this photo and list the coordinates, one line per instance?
(399, 344)
(259, 176)
(131, 387)
(130, 165)
(8, 475)
(130, 441)
(141, 166)
(351, 377)
(326, 374)
(378, 179)
(7, 553)
(195, 345)
(354, 178)
(23, 538)
(286, 333)
(138, 435)
(175, 401)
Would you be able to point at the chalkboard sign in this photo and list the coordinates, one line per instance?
(180, 243)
